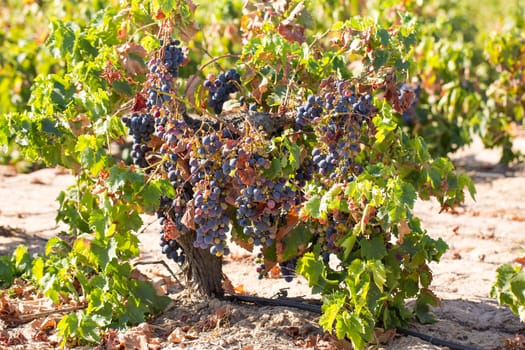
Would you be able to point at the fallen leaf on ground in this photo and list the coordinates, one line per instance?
(382, 336)
(177, 336)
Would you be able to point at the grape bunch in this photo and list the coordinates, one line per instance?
(261, 268)
(141, 126)
(154, 117)
(261, 201)
(288, 269)
(210, 216)
(219, 89)
(173, 57)
(345, 112)
(220, 174)
(309, 112)
(170, 214)
(171, 248)
(163, 69)
(329, 232)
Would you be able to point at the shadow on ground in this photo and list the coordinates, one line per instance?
(14, 237)
(480, 324)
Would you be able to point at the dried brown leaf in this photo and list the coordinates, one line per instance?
(139, 103)
(128, 56)
(292, 32)
(48, 324)
(403, 229)
(227, 286)
(38, 181)
(182, 165)
(221, 312)
(240, 289)
(189, 215)
(138, 275)
(193, 86)
(382, 336)
(517, 217)
(191, 334)
(520, 261)
(8, 311)
(292, 332)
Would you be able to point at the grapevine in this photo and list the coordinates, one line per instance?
(293, 151)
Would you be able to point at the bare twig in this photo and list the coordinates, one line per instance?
(24, 318)
(163, 263)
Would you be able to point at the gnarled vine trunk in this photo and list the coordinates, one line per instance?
(203, 271)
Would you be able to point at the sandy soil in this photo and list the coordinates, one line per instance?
(482, 234)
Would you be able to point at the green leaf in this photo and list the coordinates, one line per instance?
(332, 304)
(378, 270)
(148, 295)
(38, 268)
(331, 200)
(351, 325)
(22, 259)
(92, 156)
(166, 5)
(384, 35)
(373, 248)
(122, 87)
(295, 241)
(381, 58)
(435, 177)
(99, 221)
(517, 287)
(348, 243)
(6, 271)
(89, 329)
(62, 38)
(294, 157)
(67, 327)
(405, 193)
(422, 306)
(151, 197)
(312, 207)
(312, 269)
(274, 170)
(127, 244)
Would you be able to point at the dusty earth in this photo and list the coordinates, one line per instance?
(482, 234)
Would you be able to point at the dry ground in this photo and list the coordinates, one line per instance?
(482, 234)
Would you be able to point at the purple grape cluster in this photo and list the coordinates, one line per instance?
(337, 118)
(141, 126)
(311, 111)
(174, 209)
(163, 69)
(210, 215)
(173, 57)
(219, 90)
(288, 269)
(328, 234)
(260, 204)
(211, 218)
(154, 118)
(161, 83)
(172, 249)
(261, 267)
